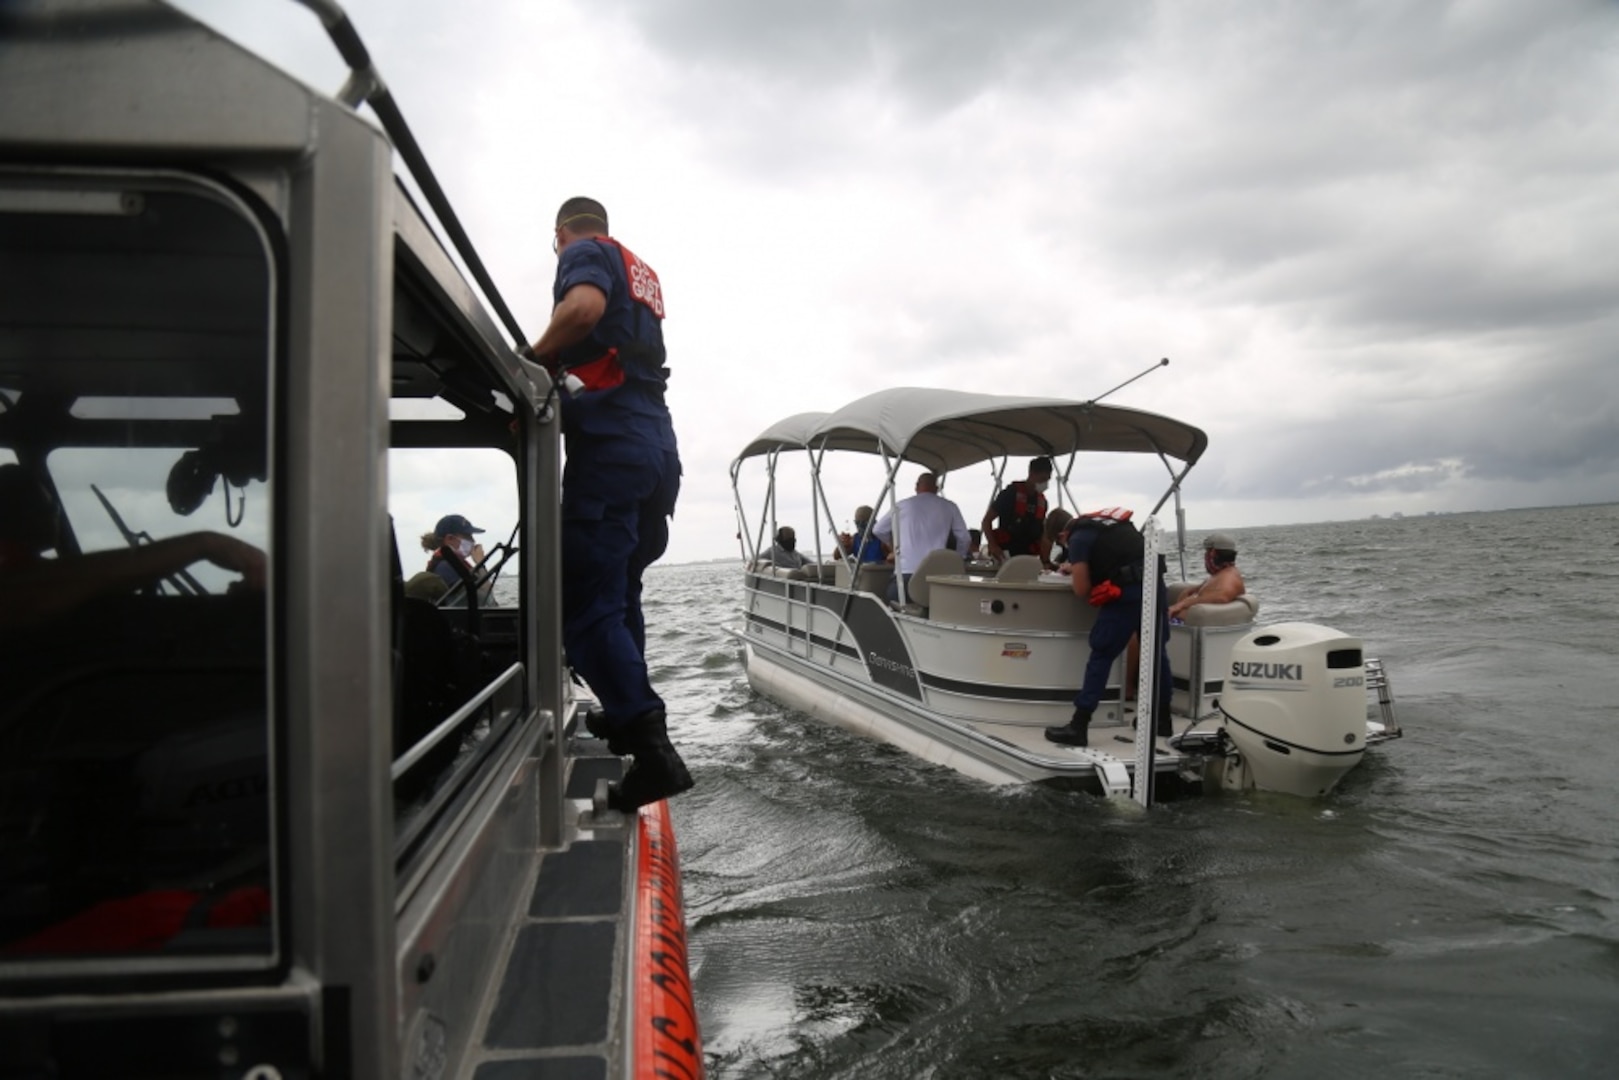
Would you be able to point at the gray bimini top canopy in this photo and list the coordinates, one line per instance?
(948, 429)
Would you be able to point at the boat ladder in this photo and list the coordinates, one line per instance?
(1377, 680)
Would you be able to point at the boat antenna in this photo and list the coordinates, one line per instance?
(1162, 363)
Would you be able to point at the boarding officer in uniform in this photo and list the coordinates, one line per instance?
(619, 485)
(1107, 553)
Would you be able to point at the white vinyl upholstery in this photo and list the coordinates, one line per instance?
(1019, 568)
(940, 562)
(874, 578)
(1244, 609)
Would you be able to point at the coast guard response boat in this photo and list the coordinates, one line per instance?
(292, 822)
(970, 667)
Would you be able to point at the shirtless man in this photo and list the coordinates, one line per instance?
(1224, 583)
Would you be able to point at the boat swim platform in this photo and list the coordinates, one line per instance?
(1109, 739)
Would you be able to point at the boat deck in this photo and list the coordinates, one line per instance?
(1105, 735)
(558, 1012)
(1115, 737)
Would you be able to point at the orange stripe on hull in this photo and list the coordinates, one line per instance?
(665, 1039)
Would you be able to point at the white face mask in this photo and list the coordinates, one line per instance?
(1041, 485)
(463, 547)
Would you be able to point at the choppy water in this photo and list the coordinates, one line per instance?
(1452, 910)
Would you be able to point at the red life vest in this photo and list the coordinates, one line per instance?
(607, 370)
(643, 280)
(1021, 519)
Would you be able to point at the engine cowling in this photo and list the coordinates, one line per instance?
(1295, 706)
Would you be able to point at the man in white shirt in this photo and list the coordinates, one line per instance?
(927, 522)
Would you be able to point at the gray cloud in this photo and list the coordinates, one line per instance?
(1551, 418)
(1405, 206)
(1376, 236)
(931, 54)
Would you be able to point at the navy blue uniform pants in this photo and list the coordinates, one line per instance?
(1110, 636)
(616, 504)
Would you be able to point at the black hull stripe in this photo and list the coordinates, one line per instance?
(817, 640)
(991, 691)
(1005, 693)
(877, 637)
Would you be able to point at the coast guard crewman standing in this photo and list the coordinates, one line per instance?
(619, 485)
(1107, 558)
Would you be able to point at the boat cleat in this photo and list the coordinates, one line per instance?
(601, 814)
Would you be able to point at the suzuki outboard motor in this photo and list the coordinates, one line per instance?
(1295, 706)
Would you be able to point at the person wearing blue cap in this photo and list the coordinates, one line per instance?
(604, 343)
(454, 549)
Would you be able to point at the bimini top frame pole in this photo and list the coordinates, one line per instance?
(365, 85)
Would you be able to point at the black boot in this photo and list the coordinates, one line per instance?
(657, 771)
(596, 724)
(1077, 732)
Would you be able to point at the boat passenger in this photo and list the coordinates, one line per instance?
(619, 485)
(456, 558)
(1021, 510)
(1106, 555)
(862, 538)
(927, 522)
(1224, 583)
(1054, 538)
(784, 552)
(35, 588)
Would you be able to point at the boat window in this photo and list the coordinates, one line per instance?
(136, 786)
(447, 652)
(99, 488)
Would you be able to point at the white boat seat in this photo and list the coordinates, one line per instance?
(1020, 568)
(807, 572)
(1244, 609)
(934, 564)
(1174, 589)
(874, 578)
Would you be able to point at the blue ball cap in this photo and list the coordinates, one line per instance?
(455, 523)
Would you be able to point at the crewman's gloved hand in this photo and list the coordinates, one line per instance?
(549, 363)
(1105, 593)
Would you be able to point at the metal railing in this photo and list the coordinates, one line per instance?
(1377, 681)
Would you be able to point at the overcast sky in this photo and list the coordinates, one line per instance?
(1379, 241)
